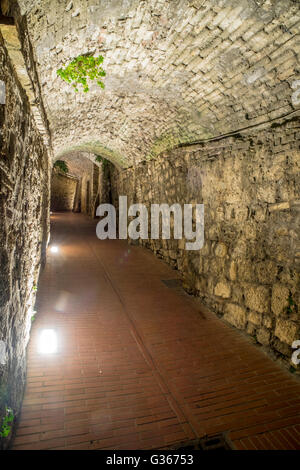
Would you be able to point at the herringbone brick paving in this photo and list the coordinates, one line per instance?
(138, 365)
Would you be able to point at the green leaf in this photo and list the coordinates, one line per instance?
(61, 166)
(82, 68)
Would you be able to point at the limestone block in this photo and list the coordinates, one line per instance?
(279, 301)
(219, 214)
(260, 214)
(205, 250)
(257, 298)
(246, 271)
(216, 267)
(210, 285)
(235, 315)
(255, 318)
(266, 271)
(69, 6)
(241, 213)
(76, 13)
(232, 271)
(250, 230)
(267, 321)
(214, 233)
(237, 294)
(279, 207)
(267, 193)
(282, 232)
(221, 250)
(240, 250)
(286, 330)
(263, 336)
(223, 289)
(283, 348)
(251, 328)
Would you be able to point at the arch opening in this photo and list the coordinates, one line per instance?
(80, 182)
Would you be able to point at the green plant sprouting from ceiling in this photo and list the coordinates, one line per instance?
(61, 166)
(82, 69)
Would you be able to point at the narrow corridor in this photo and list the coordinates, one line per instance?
(138, 366)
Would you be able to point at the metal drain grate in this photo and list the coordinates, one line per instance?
(216, 442)
(172, 283)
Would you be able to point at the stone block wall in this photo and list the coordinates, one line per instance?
(88, 188)
(104, 191)
(24, 229)
(95, 187)
(248, 269)
(86, 193)
(63, 190)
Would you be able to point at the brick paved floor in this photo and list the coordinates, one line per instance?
(138, 365)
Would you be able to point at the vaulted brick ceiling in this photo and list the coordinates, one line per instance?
(177, 70)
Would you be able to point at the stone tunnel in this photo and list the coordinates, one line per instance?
(157, 345)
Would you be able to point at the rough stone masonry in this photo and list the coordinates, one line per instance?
(201, 104)
(24, 209)
(249, 265)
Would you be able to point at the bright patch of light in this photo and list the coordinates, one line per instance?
(47, 342)
(54, 249)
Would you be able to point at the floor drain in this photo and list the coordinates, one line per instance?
(172, 283)
(217, 442)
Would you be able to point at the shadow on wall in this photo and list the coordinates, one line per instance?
(63, 190)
